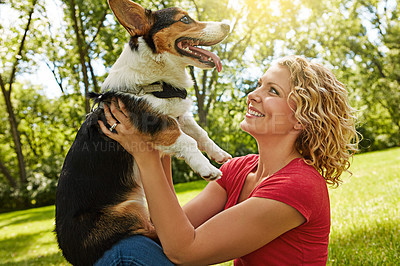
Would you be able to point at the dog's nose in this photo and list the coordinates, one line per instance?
(225, 27)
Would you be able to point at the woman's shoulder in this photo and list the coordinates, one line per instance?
(299, 167)
(234, 170)
(243, 159)
(240, 162)
(297, 178)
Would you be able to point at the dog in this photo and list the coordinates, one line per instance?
(99, 198)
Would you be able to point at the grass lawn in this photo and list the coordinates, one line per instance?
(365, 219)
(366, 212)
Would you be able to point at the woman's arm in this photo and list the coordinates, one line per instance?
(210, 201)
(229, 234)
(166, 164)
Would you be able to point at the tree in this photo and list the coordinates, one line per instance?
(361, 40)
(7, 80)
(86, 18)
(47, 128)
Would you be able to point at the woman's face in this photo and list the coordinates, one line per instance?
(268, 112)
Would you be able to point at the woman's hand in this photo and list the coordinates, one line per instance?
(127, 135)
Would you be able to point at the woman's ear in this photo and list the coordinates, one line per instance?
(298, 126)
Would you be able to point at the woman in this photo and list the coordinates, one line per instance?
(267, 209)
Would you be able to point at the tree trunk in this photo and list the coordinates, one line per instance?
(8, 175)
(15, 135)
(200, 96)
(82, 55)
(11, 116)
(94, 79)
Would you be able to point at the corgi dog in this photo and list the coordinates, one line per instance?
(100, 199)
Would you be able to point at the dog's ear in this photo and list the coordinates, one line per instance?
(132, 16)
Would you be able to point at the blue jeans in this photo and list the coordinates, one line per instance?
(135, 250)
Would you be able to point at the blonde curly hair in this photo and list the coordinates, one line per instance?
(329, 138)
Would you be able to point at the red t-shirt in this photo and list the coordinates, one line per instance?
(298, 185)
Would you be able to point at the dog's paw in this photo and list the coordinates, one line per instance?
(209, 172)
(221, 156)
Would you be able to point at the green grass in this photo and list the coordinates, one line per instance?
(366, 212)
(365, 219)
(26, 238)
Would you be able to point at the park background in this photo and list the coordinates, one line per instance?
(53, 52)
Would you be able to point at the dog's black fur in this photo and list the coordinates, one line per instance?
(84, 188)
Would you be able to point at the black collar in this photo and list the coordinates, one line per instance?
(159, 89)
(169, 91)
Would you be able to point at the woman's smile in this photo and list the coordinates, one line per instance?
(252, 112)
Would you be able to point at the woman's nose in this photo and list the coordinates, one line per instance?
(253, 96)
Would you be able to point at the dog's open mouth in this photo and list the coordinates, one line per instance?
(188, 47)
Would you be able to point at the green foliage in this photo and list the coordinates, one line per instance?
(360, 40)
(11, 32)
(47, 127)
(40, 191)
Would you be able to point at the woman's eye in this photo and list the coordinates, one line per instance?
(185, 19)
(274, 91)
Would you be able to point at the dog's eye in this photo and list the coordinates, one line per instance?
(186, 19)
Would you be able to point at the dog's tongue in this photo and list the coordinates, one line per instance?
(214, 57)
